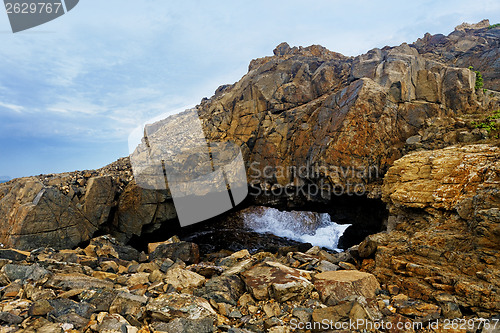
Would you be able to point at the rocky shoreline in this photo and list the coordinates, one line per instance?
(110, 287)
(86, 250)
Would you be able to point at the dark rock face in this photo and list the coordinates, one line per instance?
(477, 47)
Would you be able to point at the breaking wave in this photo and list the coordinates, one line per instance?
(305, 227)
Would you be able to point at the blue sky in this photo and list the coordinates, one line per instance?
(72, 90)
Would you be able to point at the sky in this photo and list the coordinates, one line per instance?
(73, 89)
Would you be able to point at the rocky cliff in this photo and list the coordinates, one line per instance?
(305, 116)
(403, 126)
(345, 119)
(443, 235)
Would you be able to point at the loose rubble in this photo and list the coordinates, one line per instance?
(109, 287)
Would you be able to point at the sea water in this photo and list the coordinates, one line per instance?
(289, 225)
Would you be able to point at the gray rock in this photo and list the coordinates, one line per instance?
(182, 325)
(185, 251)
(412, 140)
(25, 272)
(170, 306)
(303, 314)
(10, 318)
(223, 289)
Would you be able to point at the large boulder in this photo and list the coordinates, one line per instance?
(274, 280)
(33, 215)
(63, 211)
(140, 209)
(169, 306)
(335, 286)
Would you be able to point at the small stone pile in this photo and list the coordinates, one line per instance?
(110, 287)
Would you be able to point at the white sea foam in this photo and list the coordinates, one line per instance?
(323, 233)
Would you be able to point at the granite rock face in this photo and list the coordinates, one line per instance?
(469, 45)
(64, 210)
(34, 216)
(444, 226)
(308, 116)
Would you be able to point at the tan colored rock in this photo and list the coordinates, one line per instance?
(275, 280)
(104, 275)
(40, 308)
(114, 323)
(128, 304)
(335, 313)
(444, 202)
(480, 25)
(271, 309)
(99, 199)
(138, 207)
(76, 281)
(224, 289)
(32, 215)
(182, 279)
(334, 286)
(169, 306)
(138, 278)
(153, 246)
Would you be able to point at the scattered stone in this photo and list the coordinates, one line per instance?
(25, 272)
(275, 280)
(182, 279)
(153, 246)
(224, 289)
(12, 254)
(10, 318)
(128, 304)
(115, 323)
(326, 266)
(271, 309)
(187, 252)
(170, 306)
(101, 299)
(183, 325)
(336, 286)
(409, 111)
(40, 308)
(76, 281)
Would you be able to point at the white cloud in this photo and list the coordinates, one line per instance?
(12, 107)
